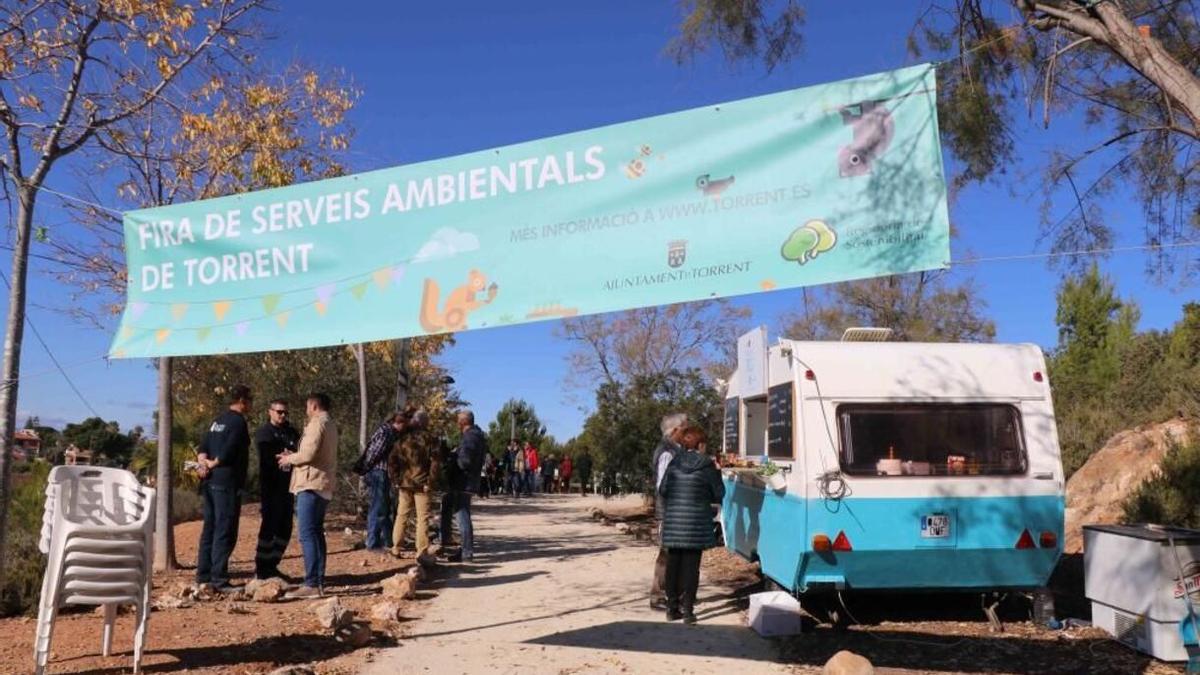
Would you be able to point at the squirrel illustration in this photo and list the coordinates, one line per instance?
(459, 302)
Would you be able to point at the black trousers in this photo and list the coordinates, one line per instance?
(278, 504)
(222, 508)
(683, 578)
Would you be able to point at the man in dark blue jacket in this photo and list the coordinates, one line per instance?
(465, 465)
(223, 459)
(275, 436)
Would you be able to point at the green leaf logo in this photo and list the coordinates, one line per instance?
(808, 241)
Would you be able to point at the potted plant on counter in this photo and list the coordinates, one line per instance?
(773, 474)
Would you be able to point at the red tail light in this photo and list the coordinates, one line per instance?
(810, 375)
(1037, 376)
(1026, 540)
(1048, 540)
(842, 543)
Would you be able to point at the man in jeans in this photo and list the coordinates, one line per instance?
(223, 458)
(314, 469)
(275, 436)
(466, 461)
(373, 466)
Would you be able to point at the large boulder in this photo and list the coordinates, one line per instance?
(388, 610)
(848, 663)
(1097, 491)
(356, 634)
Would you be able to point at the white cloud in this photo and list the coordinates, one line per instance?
(446, 243)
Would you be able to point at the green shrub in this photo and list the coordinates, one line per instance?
(186, 505)
(1172, 496)
(21, 585)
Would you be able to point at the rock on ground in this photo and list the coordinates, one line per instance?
(293, 670)
(400, 587)
(331, 614)
(1096, 492)
(848, 663)
(356, 634)
(266, 590)
(385, 611)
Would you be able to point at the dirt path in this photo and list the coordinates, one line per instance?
(553, 591)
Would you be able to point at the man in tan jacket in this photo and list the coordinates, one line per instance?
(314, 470)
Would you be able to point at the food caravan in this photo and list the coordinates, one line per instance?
(896, 465)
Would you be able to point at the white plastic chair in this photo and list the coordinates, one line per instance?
(98, 531)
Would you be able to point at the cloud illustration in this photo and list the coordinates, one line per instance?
(446, 243)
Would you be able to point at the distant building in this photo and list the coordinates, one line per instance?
(75, 455)
(26, 444)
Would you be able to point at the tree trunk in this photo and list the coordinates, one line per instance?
(1153, 61)
(14, 332)
(164, 534)
(361, 356)
(402, 347)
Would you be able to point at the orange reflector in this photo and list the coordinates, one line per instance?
(1049, 540)
(1026, 540)
(821, 543)
(842, 543)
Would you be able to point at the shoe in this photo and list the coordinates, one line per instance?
(658, 604)
(454, 557)
(689, 618)
(303, 593)
(673, 615)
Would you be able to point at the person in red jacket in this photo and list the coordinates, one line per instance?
(531, 467)
(564, 474)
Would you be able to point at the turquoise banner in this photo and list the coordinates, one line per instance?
(827, 183)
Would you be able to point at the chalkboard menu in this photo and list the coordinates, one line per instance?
(731, 425)
(779, 421)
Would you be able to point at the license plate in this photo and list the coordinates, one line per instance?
(935, 526)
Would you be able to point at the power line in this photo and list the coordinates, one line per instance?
(53, 359)
(1081, 252)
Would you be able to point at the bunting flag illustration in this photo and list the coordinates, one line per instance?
(202, 333)
(359, 290)
(241, 328)
(221, 308)
(161, 335)
(270, 302)
(137, 309)
(383, 277)
(178, 310)
(398, 273)
(282, 319)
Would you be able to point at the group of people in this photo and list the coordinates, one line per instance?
(297, 474)
(688, 485)
(522, 471)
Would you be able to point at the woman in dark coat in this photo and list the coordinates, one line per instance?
(691, 485)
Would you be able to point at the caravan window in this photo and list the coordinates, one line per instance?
(931, 439)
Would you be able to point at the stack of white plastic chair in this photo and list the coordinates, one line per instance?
(98, 531)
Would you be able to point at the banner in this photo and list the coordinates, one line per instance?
(827, 183)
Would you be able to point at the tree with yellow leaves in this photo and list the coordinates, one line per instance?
(70, 71)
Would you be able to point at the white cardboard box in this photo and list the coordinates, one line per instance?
(775, 613)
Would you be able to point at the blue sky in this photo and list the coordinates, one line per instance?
(440, 80)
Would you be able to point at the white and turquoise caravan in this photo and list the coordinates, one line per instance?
(907, 465)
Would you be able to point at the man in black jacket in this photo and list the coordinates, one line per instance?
(465, 465)
(275, 436)
(223, 459)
